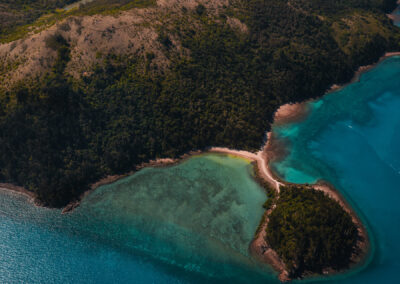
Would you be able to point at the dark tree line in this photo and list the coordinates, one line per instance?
(58, 135)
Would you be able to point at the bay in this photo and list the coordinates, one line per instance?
(351, 139)
(189, 223)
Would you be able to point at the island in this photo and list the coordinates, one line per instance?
(96, 92)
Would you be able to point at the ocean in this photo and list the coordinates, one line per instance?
(351, 139)
(193, 222)
(188, 223)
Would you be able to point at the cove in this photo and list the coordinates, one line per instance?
(193, 222)
(351, 139)
(188, 223)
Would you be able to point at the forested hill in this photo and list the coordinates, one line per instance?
(97, 95)
(14, 13)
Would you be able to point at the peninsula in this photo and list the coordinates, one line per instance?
(95, 91)
(285, 202)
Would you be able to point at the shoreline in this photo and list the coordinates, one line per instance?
(261, 158)
(357, 74)
(291, 112)
(258, 247)
(287, 113)
(10, 188)
(162, 162)
(274, 150)
(261, 250)
(363, 246)
(296, 112)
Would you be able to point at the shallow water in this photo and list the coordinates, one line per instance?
(190, 223)
(351, 138)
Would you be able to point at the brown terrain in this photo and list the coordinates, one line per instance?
(132, 32)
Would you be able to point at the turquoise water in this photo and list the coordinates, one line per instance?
(190, 223)
(351, 139)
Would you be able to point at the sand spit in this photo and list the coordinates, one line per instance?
(259, 247)
(285, 114)
(261, 158)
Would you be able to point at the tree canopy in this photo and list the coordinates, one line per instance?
(310, 231)
(59, 133)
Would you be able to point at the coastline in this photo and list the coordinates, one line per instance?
(31, 196)
(361, 70)
(18, 190)
(261, 158)
(363, 244)
(260, 249)
(295, 112)
(272, 150)
(162, 162)
(289, 113)
(286, 113)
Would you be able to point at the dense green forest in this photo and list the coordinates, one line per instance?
(59, 134)
(338, 6)
(310, 231)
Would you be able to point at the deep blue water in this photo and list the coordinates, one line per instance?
(192, 223)
(351, 138)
